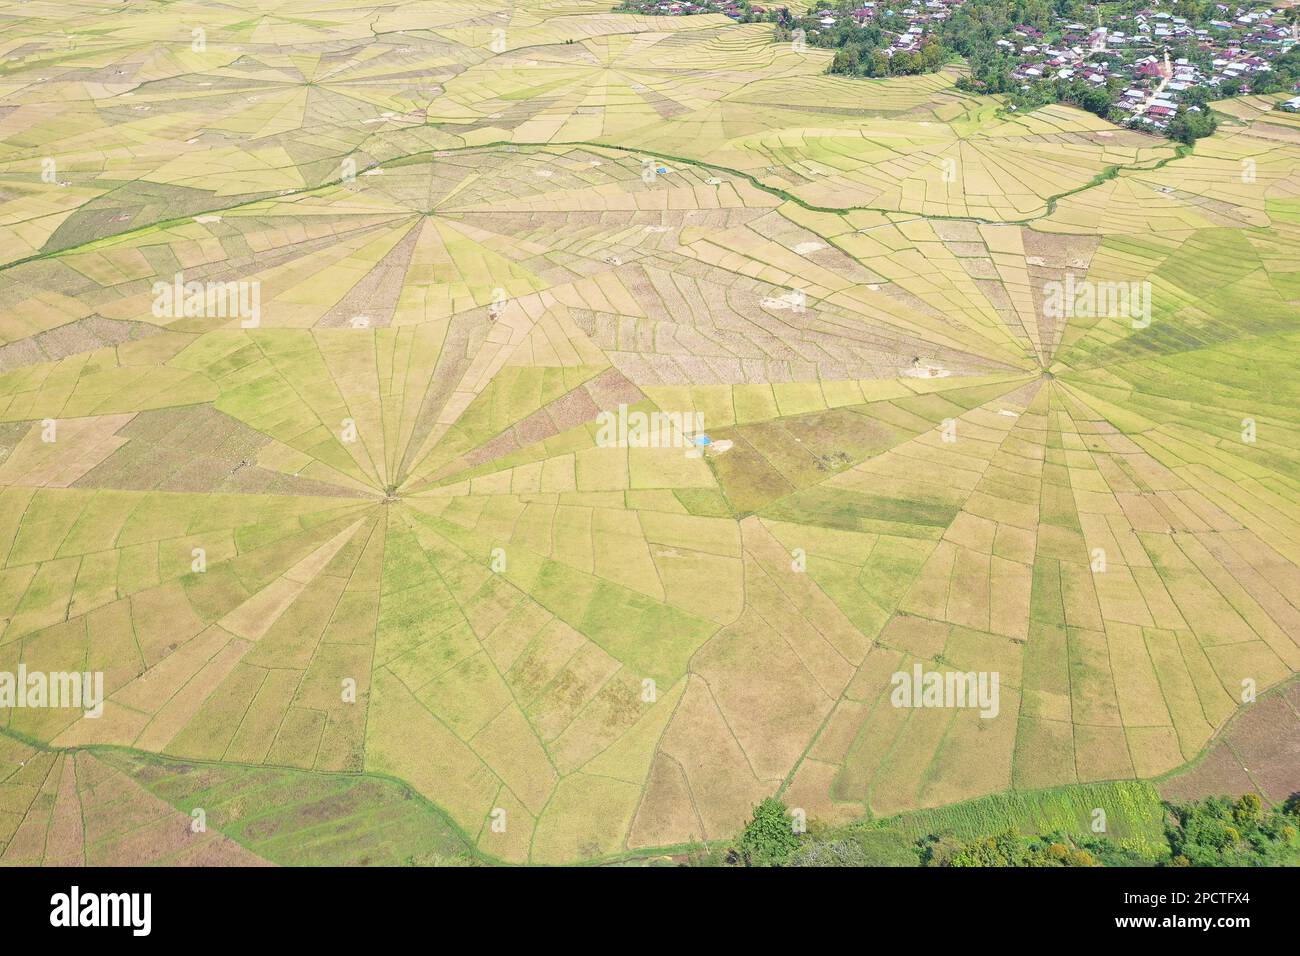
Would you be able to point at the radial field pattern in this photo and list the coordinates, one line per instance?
(316, 320)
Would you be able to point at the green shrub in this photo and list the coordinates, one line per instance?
(1220, 831)
(768, 839)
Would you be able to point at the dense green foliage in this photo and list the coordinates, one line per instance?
(769, 838)
(1009, 848)
(1217, 831)
(1189, 126)
(865, 56)
(1285, 72)
(1220, 831)
(745, 12)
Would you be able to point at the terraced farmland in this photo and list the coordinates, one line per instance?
(346, 537)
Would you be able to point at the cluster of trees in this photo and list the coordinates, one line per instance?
(746, 11)
(778, 15)
(861, 50)
(1220, 831)
(1189, 125)
(1285, 73)
(768, 839)
(976, 26)
(863, 59)
(1009, 848)
(1217, 831)
(1086, 96)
